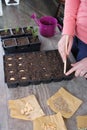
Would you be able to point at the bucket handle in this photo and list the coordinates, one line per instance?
(34, 17)
(59, 26)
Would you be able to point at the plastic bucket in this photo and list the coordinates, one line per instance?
(47, 26)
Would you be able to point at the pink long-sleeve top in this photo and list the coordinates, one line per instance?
(75, 19)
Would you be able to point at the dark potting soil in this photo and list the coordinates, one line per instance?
(10, 70)
(20, 44)
(34, 67)
(9, 42)
(22, 41)
(6, 32)
(17, 31)
(55, 62)
(34, 39)
(28, 30)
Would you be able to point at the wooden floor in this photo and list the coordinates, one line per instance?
(14, 16)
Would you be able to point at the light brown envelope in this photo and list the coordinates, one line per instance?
(51, 122)
(64, 102)
(17, 106)
(82, 122)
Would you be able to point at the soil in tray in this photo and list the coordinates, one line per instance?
(4, 33)
(17, 31)
(10, 64)
(10, 69)
(34, 67)
(11, 75)
(39, 66)
(20, 57)
(23, 76)
(34, 39)
(11, 78)
(43, 67)
(28, 30)
(22, 41)
(22, 66)
(56, 64)
(9, 42)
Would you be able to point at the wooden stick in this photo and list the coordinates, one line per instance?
(65, 67)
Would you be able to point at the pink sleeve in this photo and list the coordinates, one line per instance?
(70, 13)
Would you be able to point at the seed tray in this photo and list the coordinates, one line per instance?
(15, 32)
(20, 44)
(34, 68)
(5, 33)
(28, 30)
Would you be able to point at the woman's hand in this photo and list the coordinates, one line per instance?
(80, 68)
(64, 46)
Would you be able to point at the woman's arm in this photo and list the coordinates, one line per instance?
(70, 14)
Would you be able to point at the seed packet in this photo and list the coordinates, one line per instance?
(26, 108)
(51, 122)
(82, 122)
(64, 102)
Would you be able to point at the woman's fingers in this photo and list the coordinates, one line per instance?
(66, 44)
(70, 71)
(62, 53)
(80, 68)
(83, 73)
(63, 46)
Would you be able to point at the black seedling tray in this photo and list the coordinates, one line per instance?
(5, 33)
(34, 68)
(15, 32)
(20, 44)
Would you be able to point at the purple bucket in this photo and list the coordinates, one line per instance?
(47, 26)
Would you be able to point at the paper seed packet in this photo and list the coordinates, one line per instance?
(82, 122)
(51, 122)
(26, 108)
(64, 102)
